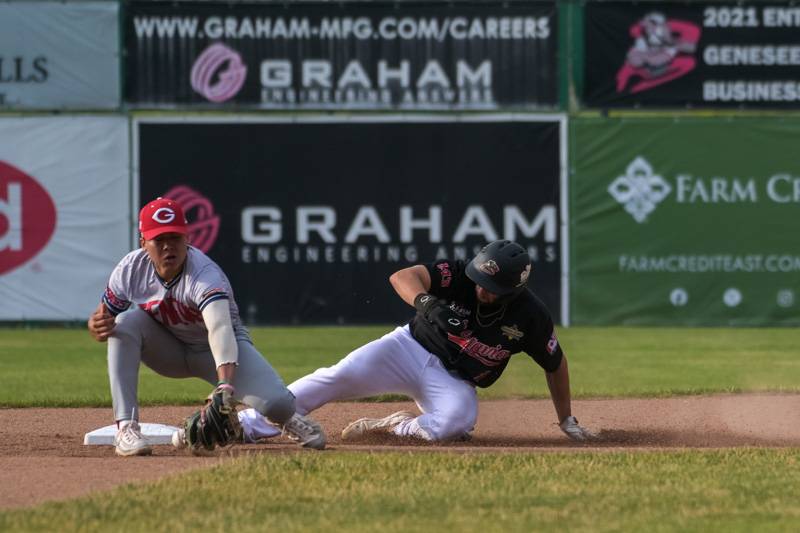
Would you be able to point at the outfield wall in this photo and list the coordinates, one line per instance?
(382, 134)
(64, 213)
(310, 215)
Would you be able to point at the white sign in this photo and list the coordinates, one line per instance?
(56, 55)
(64, 213)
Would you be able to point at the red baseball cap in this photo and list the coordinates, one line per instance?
(162, 215)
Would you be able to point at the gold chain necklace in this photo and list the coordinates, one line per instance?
(500, 313)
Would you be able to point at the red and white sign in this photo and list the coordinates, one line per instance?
(64, 213)
(27, 217)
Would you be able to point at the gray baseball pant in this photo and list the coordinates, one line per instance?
(138, 338)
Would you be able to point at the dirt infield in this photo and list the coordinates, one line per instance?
(43, 456)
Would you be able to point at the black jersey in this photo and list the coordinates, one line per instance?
(492, 335)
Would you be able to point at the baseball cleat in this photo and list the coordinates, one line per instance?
(305, 432)
(362, 426)
(179, 439)
(129, 441)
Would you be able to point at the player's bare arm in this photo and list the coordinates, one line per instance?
(410, 282)
(101, 323)
(558, 383)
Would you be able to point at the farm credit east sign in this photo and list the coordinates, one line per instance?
(685, 222)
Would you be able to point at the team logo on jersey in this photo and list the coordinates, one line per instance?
(444, 271)
(171, 312)
(552, 344)
(524, 275)
(489, 267)
(512, 332)
(487, 355)
(459, 309)
(117, 304)
(164, 215)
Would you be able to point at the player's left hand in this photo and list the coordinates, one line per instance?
(227, 402)
(215, 424)
(438, 313)
(446, 319)
(575, 431)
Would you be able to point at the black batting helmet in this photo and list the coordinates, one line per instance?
(501, 267)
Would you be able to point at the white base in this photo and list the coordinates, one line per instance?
(154, 433)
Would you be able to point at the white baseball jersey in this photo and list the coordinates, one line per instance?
(178, 304)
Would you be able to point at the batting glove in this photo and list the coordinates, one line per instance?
(574, 431)
(438, 313)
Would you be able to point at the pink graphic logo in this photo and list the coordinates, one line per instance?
(27, 217)
(211, 81)
(660, 53)
(203, 222)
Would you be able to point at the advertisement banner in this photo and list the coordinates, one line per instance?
(343, 55)
(309, 217)
(64, 213)
(692, 54)
(57, 55)
(685, 222)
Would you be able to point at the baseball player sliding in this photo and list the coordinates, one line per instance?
(471, 317)
(171, 307)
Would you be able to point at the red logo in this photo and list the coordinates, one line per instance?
(444, 270)
(27, 217)
(171, 312)
(488, 355)
(203, 222)
(662, 51)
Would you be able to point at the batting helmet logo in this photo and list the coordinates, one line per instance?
(489, 267)
(164, 215)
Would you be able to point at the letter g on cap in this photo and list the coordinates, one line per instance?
(164, 215)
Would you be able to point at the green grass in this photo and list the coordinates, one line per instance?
(65, 367)
(741, 490)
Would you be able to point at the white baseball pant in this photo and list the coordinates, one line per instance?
(395, 363)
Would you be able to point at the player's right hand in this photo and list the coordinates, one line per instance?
(101, 323)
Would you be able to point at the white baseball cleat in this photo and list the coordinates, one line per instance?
(362, 426)
(305, 432)
(179, 439)
(129, 441)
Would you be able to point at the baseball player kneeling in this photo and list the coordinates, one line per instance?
(471, 317)
(171, 307)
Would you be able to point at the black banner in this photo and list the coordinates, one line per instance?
(703, 54)
(376, 55)
(309, 219)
